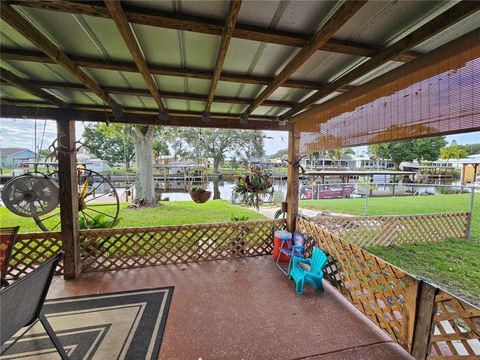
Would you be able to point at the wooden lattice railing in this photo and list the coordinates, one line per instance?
(110, 249)
(389, 230)
(374, 286)
(33, 249)
(427, 321)
(456, 329)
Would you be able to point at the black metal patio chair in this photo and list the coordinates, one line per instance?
(7, 241)
(21, 304)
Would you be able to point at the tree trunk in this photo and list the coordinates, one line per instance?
(217, 164)
(216, 190)
(144, 186)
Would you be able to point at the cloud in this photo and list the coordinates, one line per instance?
(21, 133)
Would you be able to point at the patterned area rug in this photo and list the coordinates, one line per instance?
(123, 325)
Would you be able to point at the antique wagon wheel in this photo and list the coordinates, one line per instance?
(93, 188)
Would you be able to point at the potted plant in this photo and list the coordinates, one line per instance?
(252, 186)
(199, 195)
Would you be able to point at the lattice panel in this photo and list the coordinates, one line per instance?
(375, 287)
(456, 329)
(31, 250)
(368, 231)
(110, 249)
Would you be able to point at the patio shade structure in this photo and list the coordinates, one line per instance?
(331, 73)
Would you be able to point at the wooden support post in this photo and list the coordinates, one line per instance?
(423, 327)
(293, 178)
(68, 196)
(409, 313)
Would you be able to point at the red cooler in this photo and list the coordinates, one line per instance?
(281, 236)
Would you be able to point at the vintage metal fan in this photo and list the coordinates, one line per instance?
(35, 195)
(30, 195)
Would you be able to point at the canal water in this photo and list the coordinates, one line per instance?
(221, 190)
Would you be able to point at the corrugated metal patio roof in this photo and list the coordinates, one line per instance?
(180, 42)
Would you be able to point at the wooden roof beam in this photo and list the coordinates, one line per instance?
(205, 25)
(168, 95)
(335, 22)
(25, 55)
(222, 50)
(132, 117)
(20, 24)
(35, 56)
(433, 27)
(27, 86)
(118, 16)
(131, 110)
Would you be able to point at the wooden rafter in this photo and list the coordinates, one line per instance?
(94, 63)
(11, 111)
(54, 85)
(205, 25)
(118, 16)
(27, 86)
(131, 110)
(335, 22)
(20, 24)
(222, 50)
(439, 23)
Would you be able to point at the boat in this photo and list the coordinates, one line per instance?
(324, 192)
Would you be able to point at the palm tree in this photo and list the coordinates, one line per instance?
(337, 154)
(453, 151)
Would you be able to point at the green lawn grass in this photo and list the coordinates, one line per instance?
(401, 205)
(453, 264)
(169, 213)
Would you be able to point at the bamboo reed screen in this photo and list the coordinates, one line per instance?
(438, 99)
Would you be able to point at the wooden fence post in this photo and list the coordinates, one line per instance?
(409, 313)
(68, 197)
(293, 178)
(423, 327)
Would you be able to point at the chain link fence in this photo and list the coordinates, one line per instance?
(366, 198)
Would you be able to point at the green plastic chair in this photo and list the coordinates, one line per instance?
(311, 274)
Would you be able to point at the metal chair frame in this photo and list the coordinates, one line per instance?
(38, 314)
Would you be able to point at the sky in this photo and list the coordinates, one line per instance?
(21, 133)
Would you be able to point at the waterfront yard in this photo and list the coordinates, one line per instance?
(167, 213)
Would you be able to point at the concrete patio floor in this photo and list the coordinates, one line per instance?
(245, 309)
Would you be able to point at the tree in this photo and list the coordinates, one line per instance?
(453, 151)
(216, 143)
(419, 149)
(110, 143)
(376, 152)
(395, 151)
(473, 149)
(337, 154)
(428, 149)
(255, 144)
(280, 154)
(160, 144)
(176, 140)
(143, 137)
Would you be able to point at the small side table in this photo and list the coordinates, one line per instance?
(285, 238)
